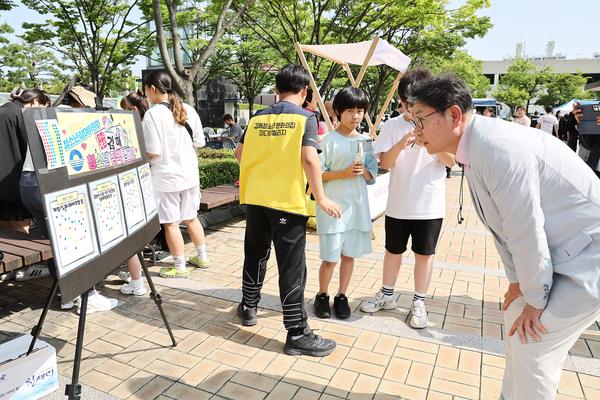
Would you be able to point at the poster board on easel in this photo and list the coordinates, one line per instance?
(95, 183)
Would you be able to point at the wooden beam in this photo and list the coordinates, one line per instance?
(313, 85)
(387, 101)
(363, 69)
(353, 83)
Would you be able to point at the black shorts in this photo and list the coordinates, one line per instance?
(424, 233)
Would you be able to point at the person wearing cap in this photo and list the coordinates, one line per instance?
(541, 203)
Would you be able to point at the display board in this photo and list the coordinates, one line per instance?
(97, 190)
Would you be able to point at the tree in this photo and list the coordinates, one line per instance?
(467, 68)
(97, 37)
(198, 21)
(28, 65)
(250, 68)
(561, 88)
(6, 5)
(522, 82)
(418, 28)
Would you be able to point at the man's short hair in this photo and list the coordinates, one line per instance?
(292, 79)
(411, 78)
(227, 117)
(442, 92)
(548, 109)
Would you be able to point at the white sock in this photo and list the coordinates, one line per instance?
(136, 283)
(179, 263)
(202, 252)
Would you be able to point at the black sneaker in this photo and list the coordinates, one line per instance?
(309, 344)
(248, 315)
(322, 309)
(341, 307)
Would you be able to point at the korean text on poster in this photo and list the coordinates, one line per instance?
(70, 222)
(94, 141)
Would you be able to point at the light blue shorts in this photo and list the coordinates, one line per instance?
(353, 244)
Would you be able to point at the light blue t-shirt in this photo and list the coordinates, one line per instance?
(338, 153)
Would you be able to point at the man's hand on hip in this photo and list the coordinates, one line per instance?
(528, 323)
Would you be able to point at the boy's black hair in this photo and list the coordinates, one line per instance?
(411, 78)
(348, 98)
(548, 109)
(227, 117)
(441, 92)
(292, 79)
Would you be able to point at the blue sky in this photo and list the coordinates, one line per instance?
(572, 26)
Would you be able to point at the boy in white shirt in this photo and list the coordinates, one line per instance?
(415, 208)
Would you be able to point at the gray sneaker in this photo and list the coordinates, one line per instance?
(378, 302)
(247, 315)
(309, 344)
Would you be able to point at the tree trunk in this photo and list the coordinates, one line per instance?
(250, 107)
(527, 106)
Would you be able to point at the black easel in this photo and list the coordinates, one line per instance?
(74, 389)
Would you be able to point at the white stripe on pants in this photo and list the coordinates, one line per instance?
(533, 370)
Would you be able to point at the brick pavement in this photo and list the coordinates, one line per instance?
(378, 356)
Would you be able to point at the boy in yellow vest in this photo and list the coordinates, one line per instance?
(278, 154)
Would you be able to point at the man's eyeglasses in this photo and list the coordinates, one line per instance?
(419, 120)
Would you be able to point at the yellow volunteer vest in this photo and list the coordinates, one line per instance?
(271, 172)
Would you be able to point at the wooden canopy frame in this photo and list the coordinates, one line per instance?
(355, 82)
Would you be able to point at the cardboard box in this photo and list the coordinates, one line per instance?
(27, 377)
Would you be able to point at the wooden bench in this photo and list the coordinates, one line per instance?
(218, 196)
(20, 250)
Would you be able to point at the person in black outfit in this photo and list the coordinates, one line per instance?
(13, 147)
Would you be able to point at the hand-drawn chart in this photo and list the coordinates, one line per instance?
(108, 211)
(132, 200)
(49, 132)
(147, 190)
(72, 227)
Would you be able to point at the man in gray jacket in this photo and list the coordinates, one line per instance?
(542, 204)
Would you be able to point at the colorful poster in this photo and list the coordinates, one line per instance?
(53, 147)
(71, 227)
(132, 200)
(147, 190)
(94, 141)
(108, 212)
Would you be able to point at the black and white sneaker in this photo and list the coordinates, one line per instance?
(322, 309)
(309, 344)
(247, 315)
(341, 307)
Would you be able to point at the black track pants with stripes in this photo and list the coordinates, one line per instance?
(288, 234)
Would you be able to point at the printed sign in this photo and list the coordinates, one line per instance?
(147, 190)
(72, 228)
(108, 211)
(132, 200)
(94, 141)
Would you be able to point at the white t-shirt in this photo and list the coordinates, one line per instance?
(175, 167)
(547, 123)
(417, 181)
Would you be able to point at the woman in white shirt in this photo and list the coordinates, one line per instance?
(172, 130)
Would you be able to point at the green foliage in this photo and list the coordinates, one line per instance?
(6, 5)
(215, 172)
(561, 88)
(206, 153)
(522, 82)
(98, 39)
(467, 68)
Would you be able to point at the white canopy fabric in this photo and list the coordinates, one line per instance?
(355, 53)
